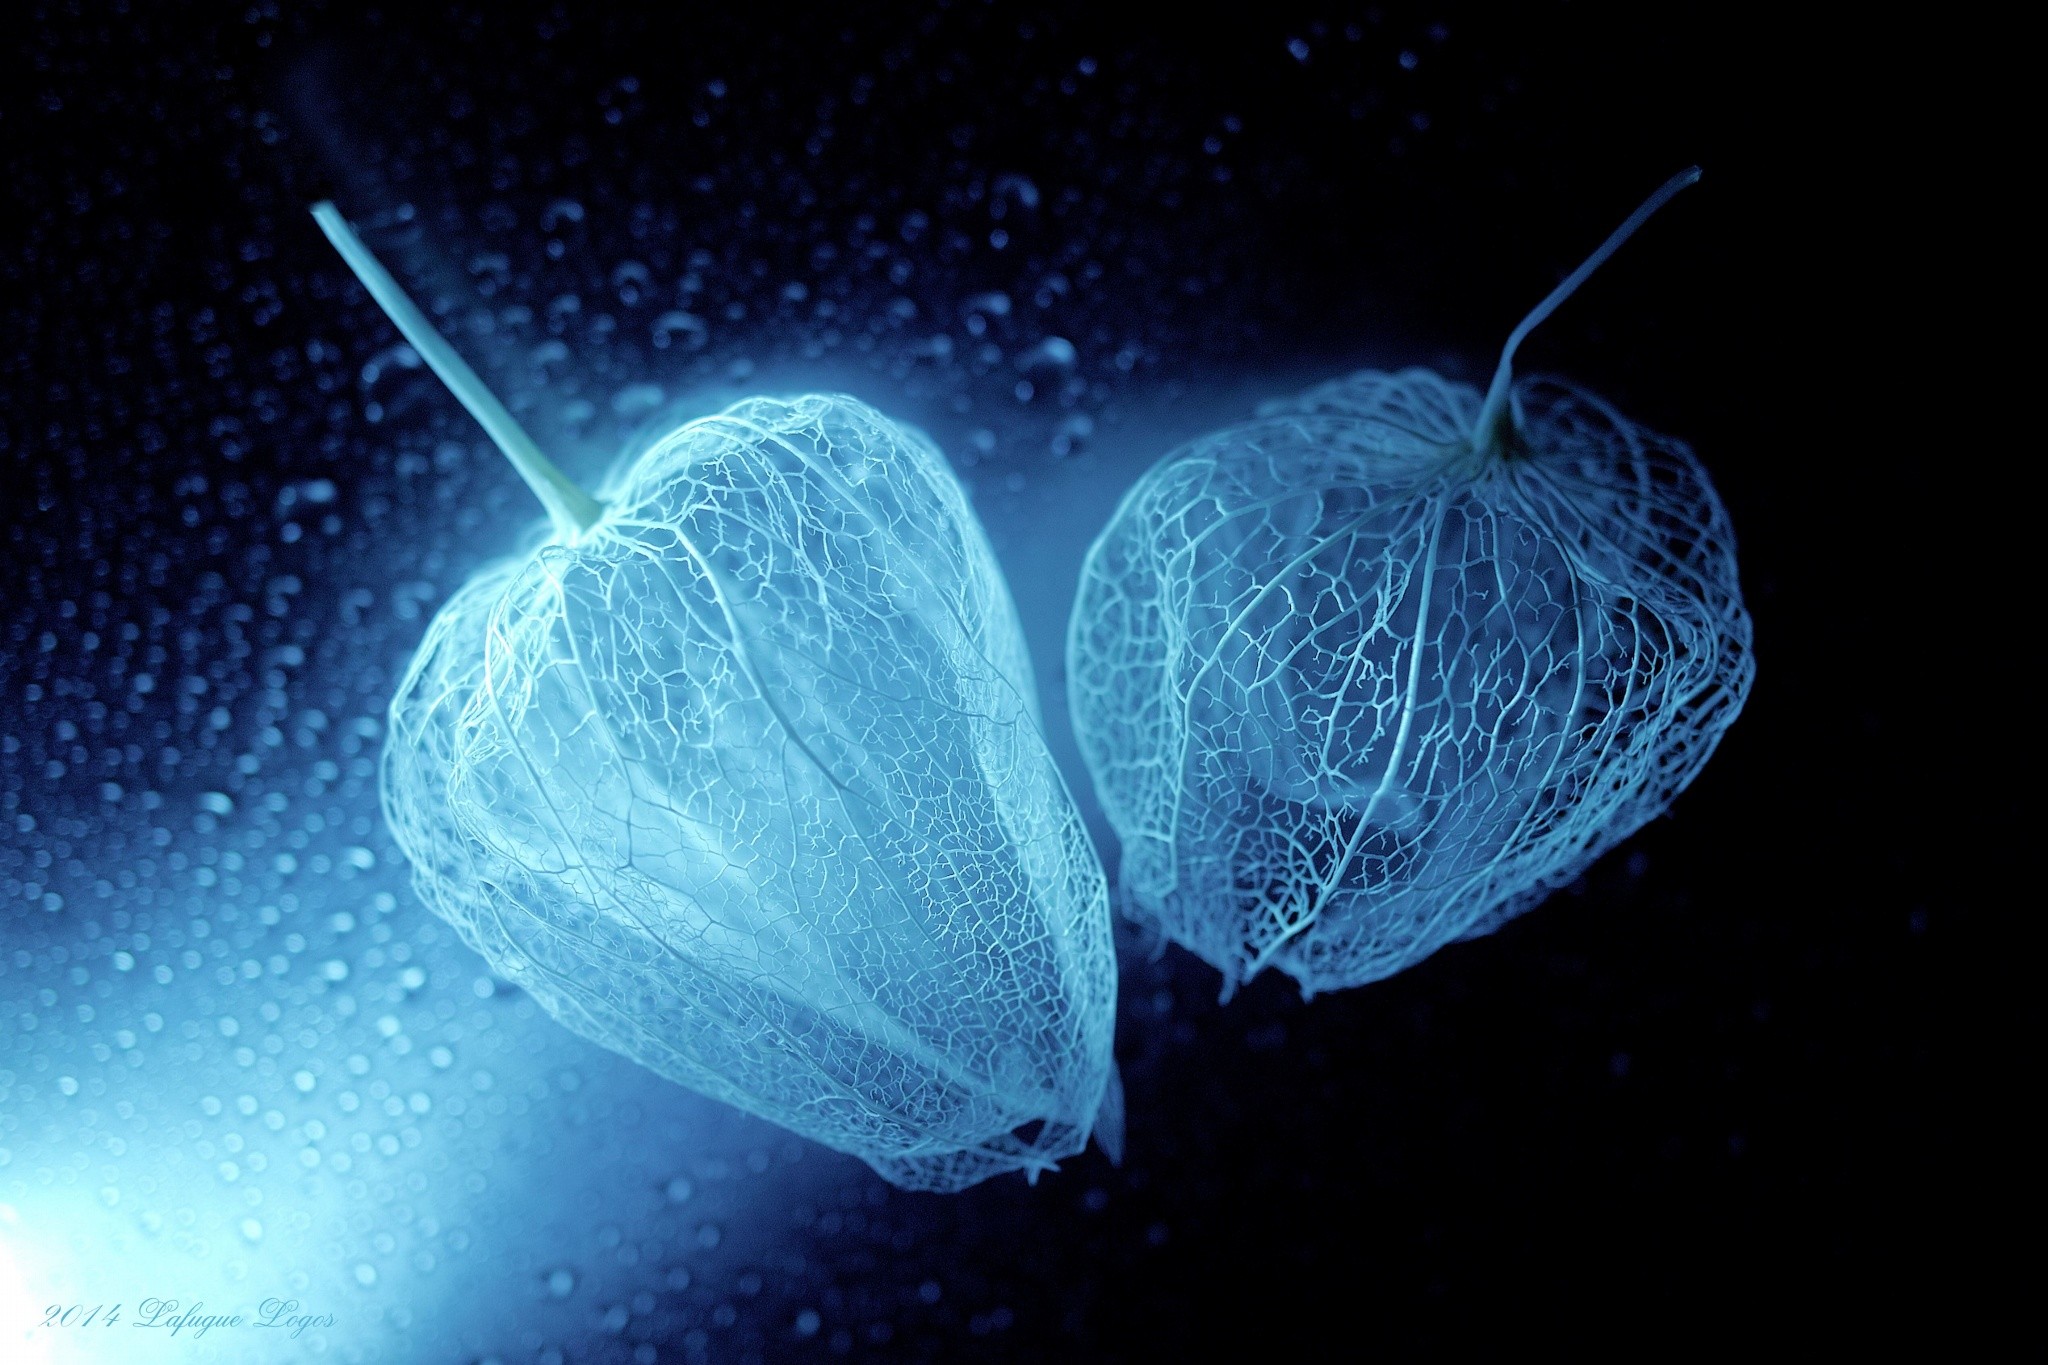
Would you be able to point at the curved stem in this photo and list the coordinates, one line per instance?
(572, 510)
(1485, 432)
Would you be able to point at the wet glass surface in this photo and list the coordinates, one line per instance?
(240, 1063)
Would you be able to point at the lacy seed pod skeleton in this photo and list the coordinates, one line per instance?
(741, 774)
(1383, 667)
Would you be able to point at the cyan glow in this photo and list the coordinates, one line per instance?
(18, 1316)
(1382, 668)
(741, 775)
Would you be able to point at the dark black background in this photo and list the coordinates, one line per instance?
(1743, 1083)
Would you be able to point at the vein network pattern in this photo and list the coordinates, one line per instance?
(1383, 667)
(742, 776)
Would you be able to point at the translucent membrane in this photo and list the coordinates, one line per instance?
(1379, 670)
(744, 779)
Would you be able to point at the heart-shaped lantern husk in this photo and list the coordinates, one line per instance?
(1383, 667)
(741, 774)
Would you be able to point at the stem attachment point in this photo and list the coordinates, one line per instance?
(1486, 432)
(572, 510)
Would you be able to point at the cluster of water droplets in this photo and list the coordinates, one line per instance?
(231, 1047)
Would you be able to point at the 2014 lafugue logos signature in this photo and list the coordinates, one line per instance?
(173, 1318)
